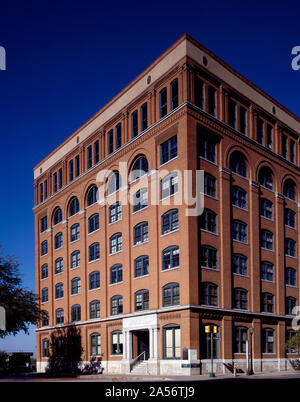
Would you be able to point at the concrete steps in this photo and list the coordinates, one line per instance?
(140, 368)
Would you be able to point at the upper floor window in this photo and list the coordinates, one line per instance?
(94, 309)
(209, 257)
(290, 277)
(58, 240)
(267, 303)
(266, 239)
(240, 299)
(240, 264)
(93, 223)
(239, 231)
(144, 117)
(71, 170)
(140, 168)
(140, 233)
(44, 271)
(170, 294)
(55, 182)
(163, 103)
(289, 189)
(74, 206)
(60, 178)
(44, 247)
(267, 271)
(284, 146)
(75, 259)
(290, 218)
(115, 212)
(170, 257)
(290, 304)
(208, 221)
(59, 290)
(94, 252)
(210, 185)
(116, 273)
(77, 166)
(239, 197)
(113, 183)
(141, 266)
(75, 313)
(265, 177)
(209, 294)
(75, 286)
(169, 185)
(118, 134)
(89, 157)
(59, 316)
(207, 149)
(44, 225)
(94, 280)
(75, 232)
(174, 94)
(110, 141)
(57, 216)
(260, 131)
(269, 139)
(169, 221)
(92, 196)
(290, 247)
(134, 124)
(140, 199)
(45, 318)
(292, 151)
(212, 101)
(141, 300)
(115, 243)
(96, 152)
(266, 208)
(168, 150)
(44, 295)
(238, 164)
(58, 266)
(116, 305)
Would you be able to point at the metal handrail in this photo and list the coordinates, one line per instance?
(136, 359)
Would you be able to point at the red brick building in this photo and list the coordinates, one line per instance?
(118, 253)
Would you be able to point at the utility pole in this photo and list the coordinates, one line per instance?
(211, 329)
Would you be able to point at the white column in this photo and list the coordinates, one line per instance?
(155, 343)
(151, 343)
(129, 345)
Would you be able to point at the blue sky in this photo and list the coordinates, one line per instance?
(66, 59)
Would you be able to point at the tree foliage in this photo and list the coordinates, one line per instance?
(294, 342)
(20, 304)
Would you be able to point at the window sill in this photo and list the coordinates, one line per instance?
(170, 232)
(91, 262)
(141, 276)
(170, 269)
(210, 268)
(267, 249)
(241, 242)
(141, 209)
(209, 232)
(94, 231)
(115, 283)
(116, 252)
(170, 160)
(141, 243)
(74, 241)
(240, 208)
(111, 223)
(92, 290)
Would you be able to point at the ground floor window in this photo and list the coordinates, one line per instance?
(116, 343)
(95, 342)
(171, 342)
(205, 348)
(45, 348)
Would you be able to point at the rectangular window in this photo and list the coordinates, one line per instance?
(163, 103)
(210, 185)
(232, 113)
(144, 117)
(60, 180)
(71, 170)
(41, 192)
(96, 152)
(260, 131)
(45, 189)
(168, 150)
(118, 135)
(239, 231)
(110, 143)
(243, 120)
(207, 149)
(212, 101)
(43, 224)
(134, 124)
(169, 185)
(292, 151)
(89, 160)
(284, 146)
(269, 136)
(174, 94)
(199, 93)
(55, 182)
(77, 166)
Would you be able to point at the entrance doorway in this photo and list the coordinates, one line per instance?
(142, 344)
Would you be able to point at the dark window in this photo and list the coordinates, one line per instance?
(75, 259)
(44, 295)
(144, 117)
(116, 305)
(75, 286)
(289, 190)
(238, 164)
(140, 233)
(292, 151)
(140, 168)
(116, 343)
(239, 197)
(163, 102)
(290, 218)
(134, 124)
(44, 271)
(57, 216)
(232, 113)
(140, 199)
(267, 271)
(209, 257)
(290, 277)
(170, 257)
(290, 304)
(212, 101)
(269, 137)
(240, 299)
(45, 319)
(170, 295)
(116, 273)
(207, 149)
(110, 141)
(239, 231)
(168, 150)
(169, 221)
(71, 170)
(209, 294)
(267, 303)
(260, 131)
(77, 166)
(96, 152)
(284, 146)
(266, 208)
(41, 192)
(174, 94)
(75, 313)
(44, 225)
(267, 340)
(55, 182)
(58, 265)
(115, 243)
(59, 290)
(141, 300)
(240, 339)
(208, 221)
(199, 93)
(115, 212)
(94, 252)
(75, 232)
(93, 223)
(74, 206)
(240, 264)
(265, 178)
(59, 316)
(266, 239)
(58, 240)
(243, 120)
(92, 196)
(89, 156)
(141, 266)
(118, 133)
(44, 247)
(45, 189)
(290, 247)
(94, 309)
(45, 348)
(60, 180)
(94, 280)
(210, 185)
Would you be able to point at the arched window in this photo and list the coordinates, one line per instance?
(113, 183)
(289, 189)
(238, 164)
(267, 303)
(115, 243)
(116, 305)
(116, 343)
(58, 265)
(75, 286)
(94, 280)
(265, 177)
(93, 223)
(44, 271)
(267, 271)
(94, 309)
(240, 299)
(58, 240)
(57, 216)
(208, 221)
(59, 290)
(59, 316)
(44, 295)
(92, 196)
(140, 168)
(290, 277)
(209, 294)
(45, 348)
(141, 266)
(94, 252)
(74, 206)
(171, 342)
(141, 300)
(95, 344)
(75, 232)
(75, 313)
(170, 257)
(140, 233)
(209, 257)
(170, 295)
(116, 273)
(75, 259)
(169, 221)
